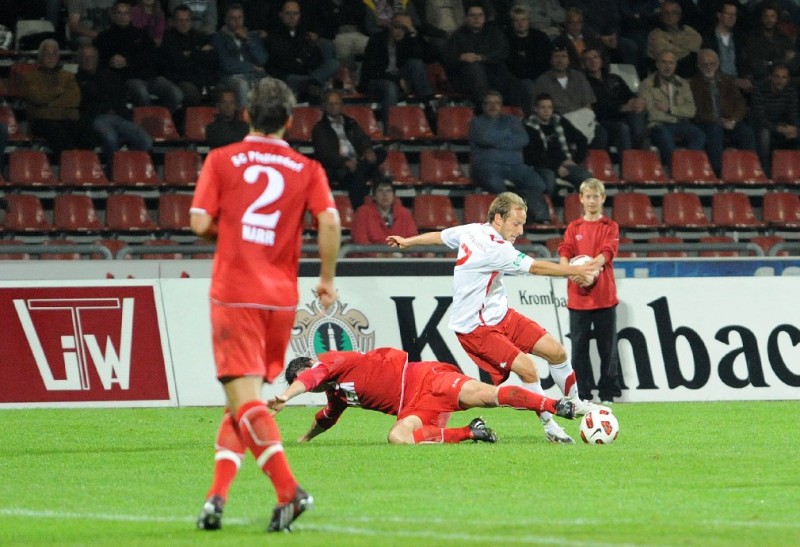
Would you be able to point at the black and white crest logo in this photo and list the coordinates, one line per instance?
(339, 329)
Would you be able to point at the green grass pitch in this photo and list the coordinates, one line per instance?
(679, 474)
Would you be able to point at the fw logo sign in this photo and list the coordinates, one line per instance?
(80, 348)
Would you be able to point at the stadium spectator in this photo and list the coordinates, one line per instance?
(496, 337)
(380, 13)
(671, 35)
(721, 109)
(254, 287)
(52, 96)
(345, 150)
(439, 20)
(131, 53)
(639, 17)
(204, 14)
(475, 58)
(593, 308)
(619, 111)
(576, 37)
(393, 65)
(87, 18)
(601, 21)
(546, 15)
(381, 217)
(570, 90)
(497, 141)
(729, 45)
(189, 58)
(421, 395)
(299, 56)
(767, 45)
(775, 114)
(104, 114)
(555, 147)
(341, 22)
(241, 53)
(226, 128)
(528, 49)
(670, 107)
(148, 15)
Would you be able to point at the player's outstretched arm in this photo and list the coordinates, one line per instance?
(329, 239)
(315, 430)
(203, 225)
(428, 238)
(585, 273)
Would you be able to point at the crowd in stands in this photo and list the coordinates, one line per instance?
(611, 75)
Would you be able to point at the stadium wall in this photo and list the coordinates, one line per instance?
(145, 341)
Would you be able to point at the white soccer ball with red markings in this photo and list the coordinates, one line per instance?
(599, 427)
(580, 260)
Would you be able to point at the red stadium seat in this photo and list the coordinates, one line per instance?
(598, 162)
(553, 224)
(441, 168)
(13, 256)
(733, 210)
(717, 239)
(157, 122)
(16, 78)
(691, 167)
(440, 83)
(742, 167)
(30, 168)
(476, 208)
(75, 213)
(81, 168)
(160, 256)
(782, 210)
(633, 211)
(683, 211)
(17, 133)
(345, 210)
(626, 254)
(25, 214)
(434, 212)
(396, 166)
(128, 213)
(197, 118)
(768, 242)
(408, 123)
(452, 122)
(365, 117)
(181, 167)
(552, 245)
(786, 167)
(573, 209)
(642, 167)
(134, 168)
(113, 245)
(173, 212)
(347, 83)
(304, 118)
(59, 256)
(513, 110)
(664, 254)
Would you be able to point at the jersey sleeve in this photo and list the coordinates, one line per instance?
(208, 189)
(337, 404)
(452, 236)
(314, 376)
(507, 259)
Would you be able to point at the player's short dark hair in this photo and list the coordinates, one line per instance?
(295, 366)
(270, 105)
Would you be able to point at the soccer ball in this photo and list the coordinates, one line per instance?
(599, 427)
(580, 259)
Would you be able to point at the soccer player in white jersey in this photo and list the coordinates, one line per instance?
(497, 338)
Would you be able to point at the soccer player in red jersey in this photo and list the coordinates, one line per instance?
(250, 198)
(422, 395)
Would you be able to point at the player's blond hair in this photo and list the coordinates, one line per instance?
(270, 105)
(504, 203)
(592, 184)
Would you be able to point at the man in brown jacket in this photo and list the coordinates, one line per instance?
(721, 109)
(53, 97)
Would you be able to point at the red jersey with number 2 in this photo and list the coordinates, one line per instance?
(258, 190)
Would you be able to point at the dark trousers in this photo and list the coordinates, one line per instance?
(356, 183)
(602, 325)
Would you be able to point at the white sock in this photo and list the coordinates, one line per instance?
(564, 377)
(536, 387)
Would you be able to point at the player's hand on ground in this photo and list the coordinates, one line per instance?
(397, 241)
(326, 293)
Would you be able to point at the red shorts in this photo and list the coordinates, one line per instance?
(494, 348)
(432, 391)
(250, 341)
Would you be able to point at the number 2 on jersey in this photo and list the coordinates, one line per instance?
(272, 192)
(467, 254)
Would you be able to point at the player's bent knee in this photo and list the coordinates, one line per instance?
(400, 437)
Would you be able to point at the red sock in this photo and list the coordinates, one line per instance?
(260, 433)
(230, 450)
(438, 435)
(522, 399)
